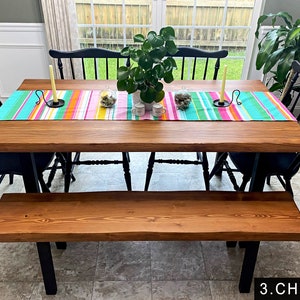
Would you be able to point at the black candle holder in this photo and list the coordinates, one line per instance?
(54, 104)
(218, 103)
(227, 103)
(50, 103)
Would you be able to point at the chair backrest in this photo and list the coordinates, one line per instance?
(95, 63)
(291, 94)
(198, 63)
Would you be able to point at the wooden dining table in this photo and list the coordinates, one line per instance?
(28, 136)
(147, 136)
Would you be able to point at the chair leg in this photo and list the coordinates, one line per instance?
(248, 266)
(205, 167)
(43, 184)
(53, 170)
(288, 186)
(218, 165)
(149, 170)
(245, 180)
(126, 170)
(68, 171)
(47, 267)
(11, 178)
(2, 177)
(218, 172)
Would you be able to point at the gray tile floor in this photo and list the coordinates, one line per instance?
(141, 270)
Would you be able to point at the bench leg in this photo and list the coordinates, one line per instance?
(61, 245)
(47, 267)
(251, 251)
(231, 244)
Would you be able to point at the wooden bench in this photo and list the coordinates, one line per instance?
(149, 216)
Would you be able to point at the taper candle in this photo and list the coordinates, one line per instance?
(53, 84)
(223, 86)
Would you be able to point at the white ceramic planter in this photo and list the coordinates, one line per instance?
(137, 99)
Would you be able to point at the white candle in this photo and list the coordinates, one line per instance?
(223, 85)
(53, 84)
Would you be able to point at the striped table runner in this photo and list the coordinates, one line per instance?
(85, 105)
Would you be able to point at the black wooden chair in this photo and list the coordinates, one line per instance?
(283, 165)
(192, 63)
(90, 63)
(10, 164)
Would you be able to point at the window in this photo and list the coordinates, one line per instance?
(206, 24)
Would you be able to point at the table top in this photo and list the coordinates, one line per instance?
(133, 136)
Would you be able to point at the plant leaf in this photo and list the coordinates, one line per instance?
(159, 71)
(159, 87)
(284, 64)
(125, 51)
(122, 73)
(149, 95)
(272, 60)
(155, 40)
(158, 54)
(260, 20)
(159, 96)
(269, 44)
(145, 61)
(168, 33)
(284, 15)
(138, 75)
(293, 34)
(139, 38)
(171, 47)
(168, 78)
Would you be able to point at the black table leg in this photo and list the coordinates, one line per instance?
(248, 267)
(251, 248)
(29, 172)
(45, 256)
(31, 183)
(258, 177)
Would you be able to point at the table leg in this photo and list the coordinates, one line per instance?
(258, 177)
(29, 172)
(251, 248)
(251, 251)
(31, 183)
(45, 256)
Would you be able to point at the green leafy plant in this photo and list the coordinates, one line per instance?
(150, 64)
(278, 48)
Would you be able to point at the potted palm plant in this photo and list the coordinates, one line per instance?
(150, 64)
(278, 48)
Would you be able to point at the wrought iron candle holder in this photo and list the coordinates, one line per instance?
(50, 103)
(226, 103)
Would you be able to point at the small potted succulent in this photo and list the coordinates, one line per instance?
(150, 64)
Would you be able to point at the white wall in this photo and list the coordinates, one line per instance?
(23, 54)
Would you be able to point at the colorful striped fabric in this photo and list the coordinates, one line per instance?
(85, 105)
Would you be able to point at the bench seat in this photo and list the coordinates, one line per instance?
(147, 216)
(144, 216)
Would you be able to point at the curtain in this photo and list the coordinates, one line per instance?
(61, 28)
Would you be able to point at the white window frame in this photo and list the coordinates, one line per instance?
(158, 20)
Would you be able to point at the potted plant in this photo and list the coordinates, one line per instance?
(278, 48)
(150, 63)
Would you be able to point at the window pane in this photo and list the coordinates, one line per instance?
(138, 12)
(206, 24)
(209, 13)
